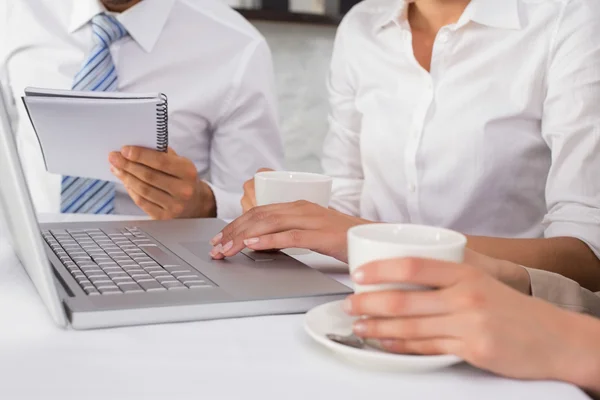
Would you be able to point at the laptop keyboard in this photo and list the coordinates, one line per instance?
(120, 261)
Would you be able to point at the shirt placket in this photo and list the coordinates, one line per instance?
(423, 103)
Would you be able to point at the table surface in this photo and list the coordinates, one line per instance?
(264, 357)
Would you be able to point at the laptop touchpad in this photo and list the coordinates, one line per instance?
(202, 249)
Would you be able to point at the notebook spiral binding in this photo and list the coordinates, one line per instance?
(162, 124)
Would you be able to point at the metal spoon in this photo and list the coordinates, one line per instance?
(350, 340)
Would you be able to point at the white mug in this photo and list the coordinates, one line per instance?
(375, 242)
(274, 187)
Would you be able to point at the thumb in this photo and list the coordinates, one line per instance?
(265, 170)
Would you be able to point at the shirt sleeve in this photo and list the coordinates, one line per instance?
(563, 292)
(341, 152)
(246, 137)
(571, 126)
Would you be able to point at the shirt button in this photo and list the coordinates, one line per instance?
(443, 37)
(412, 188)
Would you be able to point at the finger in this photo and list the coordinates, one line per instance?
(426, 347)
(153, 210)
(247, 204)
(417, 271)
(156, 196)
(167, 183)
(252, 216)
(410, 328)
(169, 163)
(288, 227)
(295, 238)
(249, 198)
(387, 304)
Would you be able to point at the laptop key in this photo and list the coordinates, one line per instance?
(98, 277)
(108, 264)
(172, 266)
(166, 279)
(185, 275)
(103, 282)
(142, 277)
(174, 285)
(98, 254)
(153, 269)
(152, 285)
(134, 270)
(193, 285)
(89, 267)
(127, 287)
(199, 281)
(113, 268)
(106, 291)
(124, 279)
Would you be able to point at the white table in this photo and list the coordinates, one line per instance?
(252, 358)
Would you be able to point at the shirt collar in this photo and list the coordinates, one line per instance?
(494, 13)
(144, 21)
(398, 12)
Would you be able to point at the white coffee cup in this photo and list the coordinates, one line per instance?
(374, 242)
(274, 187)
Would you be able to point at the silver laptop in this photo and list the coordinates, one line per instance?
(95, 275)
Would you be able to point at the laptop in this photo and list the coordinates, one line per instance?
(109, 274)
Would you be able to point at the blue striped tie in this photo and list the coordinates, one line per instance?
(89, 196)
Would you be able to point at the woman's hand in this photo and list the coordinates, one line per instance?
(477, 318)
(249, 198)
(290, 225)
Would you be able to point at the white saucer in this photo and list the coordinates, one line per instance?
(331, 318)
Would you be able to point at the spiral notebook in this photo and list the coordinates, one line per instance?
(78, 130)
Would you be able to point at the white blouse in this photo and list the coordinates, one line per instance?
(501, 139)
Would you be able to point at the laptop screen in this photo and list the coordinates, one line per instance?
(18, 215)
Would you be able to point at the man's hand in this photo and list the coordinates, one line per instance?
(249, 199)
(163, 185)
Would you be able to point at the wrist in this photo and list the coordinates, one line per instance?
(205, 203)
(515, 276)
(522, 280)
(581, 365)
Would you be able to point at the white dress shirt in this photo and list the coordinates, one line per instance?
(501, 139)
(214, 66)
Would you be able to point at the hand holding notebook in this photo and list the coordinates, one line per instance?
(78, 130)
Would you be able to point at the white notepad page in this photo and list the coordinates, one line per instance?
(77, 134)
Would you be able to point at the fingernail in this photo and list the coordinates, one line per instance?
(250, 242)
(358, 276)
(227, 247)
(126, 151)
(348, 306)
(360, 328)
(115, 171)
(216, 239)
(112, 157)
(387, 343)
(216, 250)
